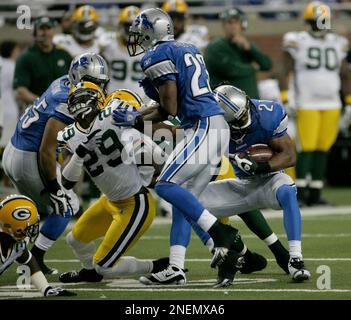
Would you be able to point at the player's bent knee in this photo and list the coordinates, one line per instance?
(286, 194)
(162, 188)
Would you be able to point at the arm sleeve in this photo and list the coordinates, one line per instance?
(281, 124)
(221, 62)
(22, 76)
(263, 60)
(290, 43)
(73, 169)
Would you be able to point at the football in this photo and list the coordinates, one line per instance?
(260, 152)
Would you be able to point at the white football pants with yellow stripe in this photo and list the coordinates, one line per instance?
(121, 224)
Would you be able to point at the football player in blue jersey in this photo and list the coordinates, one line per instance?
(29, 159)
(260, 185)
(177, 78)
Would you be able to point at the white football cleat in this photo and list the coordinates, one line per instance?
(169, 276)
(297, 270)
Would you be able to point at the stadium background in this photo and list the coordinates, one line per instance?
(326, 229)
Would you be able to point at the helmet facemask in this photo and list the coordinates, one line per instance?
(84, 104)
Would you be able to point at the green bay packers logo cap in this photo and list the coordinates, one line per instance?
(21, 214)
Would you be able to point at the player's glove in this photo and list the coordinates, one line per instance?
(94, 139)
(59, 199)
(58, 292)
(149, 89)
(246, 164)
(250, 166)
(127, 117)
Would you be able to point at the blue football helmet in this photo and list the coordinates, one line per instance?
(89, 67)
(148, 28)
(236, 105)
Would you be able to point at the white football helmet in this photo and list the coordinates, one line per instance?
(149, 27)
(89, 67)
(236, 106)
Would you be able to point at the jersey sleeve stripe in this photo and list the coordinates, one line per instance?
(160, 69)
(63, 109)
(283, 126)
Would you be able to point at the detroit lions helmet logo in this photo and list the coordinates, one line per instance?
(144, 21)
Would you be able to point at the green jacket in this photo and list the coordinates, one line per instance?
(225, 61)
(36, 70)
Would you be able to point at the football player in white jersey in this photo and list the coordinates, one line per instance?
(125, 71)
(82, 38)
(196, 34)
(19, 224)
(110, 157)
(316, 60)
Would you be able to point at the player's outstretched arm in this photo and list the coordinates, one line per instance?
(39, 280)
(284, 156)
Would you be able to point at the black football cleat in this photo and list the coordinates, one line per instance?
(83, 275)
(228, 269)
(252, 262)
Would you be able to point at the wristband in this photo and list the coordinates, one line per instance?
(263, 168)
(40, 282)
(53, 186)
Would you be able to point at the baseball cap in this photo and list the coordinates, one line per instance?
(233, 12)
(44, 21)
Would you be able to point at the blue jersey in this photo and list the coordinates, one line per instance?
(52, 104)
(269, 121)
(183, 63)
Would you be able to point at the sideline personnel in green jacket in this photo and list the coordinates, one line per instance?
(233, 58)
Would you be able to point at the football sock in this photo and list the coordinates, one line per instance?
(186, 202)
(43, 244)
(319, 165)
(318, 175)
(295, 249)
(270, 240)
(83, 251)
(256, 222)
(54, 225)
(286, 196)
(277, 248)
(177, 256)
(303, 164)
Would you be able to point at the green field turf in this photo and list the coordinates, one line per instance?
(326, 242)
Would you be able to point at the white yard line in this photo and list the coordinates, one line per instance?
(273, 214)
(205, 260)
(252, 236)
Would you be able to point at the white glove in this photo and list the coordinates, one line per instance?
(59, 199)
